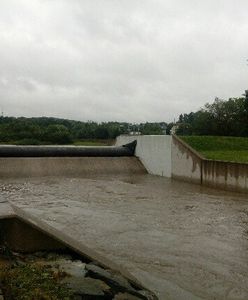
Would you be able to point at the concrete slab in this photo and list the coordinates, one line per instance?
(34, 231)
(182, 241)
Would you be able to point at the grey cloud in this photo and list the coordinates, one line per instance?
(120, 60)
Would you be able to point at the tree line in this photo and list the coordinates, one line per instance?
(46, 130)
(224, 118)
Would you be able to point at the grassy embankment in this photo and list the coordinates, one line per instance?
(88, 142)
(220, 148)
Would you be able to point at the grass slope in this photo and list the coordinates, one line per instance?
(219, 147)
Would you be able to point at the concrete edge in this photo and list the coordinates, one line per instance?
(72, 244)
(6, 211)
(178, 139)
(225, 161)
(196, 157)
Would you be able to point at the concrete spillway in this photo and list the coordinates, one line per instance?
(180, 240)
(69, 166)
(33, 161)
(22, 232)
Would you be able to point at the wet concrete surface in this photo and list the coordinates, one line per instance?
(180, 240)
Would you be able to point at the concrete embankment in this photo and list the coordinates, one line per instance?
(95, 275)
(225, 175)
(190, 166)
(186, 162)
(169, 156)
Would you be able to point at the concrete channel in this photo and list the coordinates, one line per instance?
(180, 240)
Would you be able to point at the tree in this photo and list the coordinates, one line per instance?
(229, 118)
(58, 134)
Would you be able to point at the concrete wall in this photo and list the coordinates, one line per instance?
(186, 162)
(189, 165)
(21, 237)
(225, 175)
(161, 155)
(154, 151)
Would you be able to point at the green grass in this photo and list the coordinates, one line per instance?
(88, 142)
(30, 281)
(93, 143)
(220, 148)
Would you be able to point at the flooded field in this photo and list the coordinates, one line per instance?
(182, 241)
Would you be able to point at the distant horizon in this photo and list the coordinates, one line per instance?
(118, 121)
(85, 121)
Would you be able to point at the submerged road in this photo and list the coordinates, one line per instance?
(182, 241)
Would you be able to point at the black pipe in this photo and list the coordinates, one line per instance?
(67, 151)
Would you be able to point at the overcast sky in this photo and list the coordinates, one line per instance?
(123, 60)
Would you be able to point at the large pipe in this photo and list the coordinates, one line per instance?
(67, 151)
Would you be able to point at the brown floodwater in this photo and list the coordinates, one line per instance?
(182, 241)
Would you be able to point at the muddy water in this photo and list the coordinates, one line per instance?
(182, 241)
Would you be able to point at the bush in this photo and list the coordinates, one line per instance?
(28, 142)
